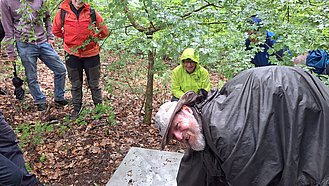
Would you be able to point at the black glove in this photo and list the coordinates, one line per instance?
(19, 91)
(17, 82)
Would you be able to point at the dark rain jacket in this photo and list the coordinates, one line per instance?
(266, 126)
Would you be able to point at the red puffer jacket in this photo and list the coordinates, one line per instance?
(76, 32)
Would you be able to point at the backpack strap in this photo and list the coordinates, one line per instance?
(63, 13)
(92, 16)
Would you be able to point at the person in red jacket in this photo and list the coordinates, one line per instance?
(81, 48)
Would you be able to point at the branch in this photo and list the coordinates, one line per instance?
(148, 31)
(214, 23)
(148, 15)
(133, 22)
(199, 9)
(56, 6)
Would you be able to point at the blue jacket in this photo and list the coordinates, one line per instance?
(319, 60)
(261, 58)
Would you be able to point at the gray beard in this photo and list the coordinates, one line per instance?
(196, 130)
(199, 144)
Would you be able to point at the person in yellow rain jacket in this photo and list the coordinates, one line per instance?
(189, 75)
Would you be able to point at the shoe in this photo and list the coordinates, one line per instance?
(42, 106)
(62, 102)
(74, 115)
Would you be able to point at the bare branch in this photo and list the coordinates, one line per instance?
(199, 9)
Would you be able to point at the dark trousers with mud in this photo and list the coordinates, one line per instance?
(12, 164)
(75, 68)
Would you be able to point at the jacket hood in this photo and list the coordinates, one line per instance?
(189, 53)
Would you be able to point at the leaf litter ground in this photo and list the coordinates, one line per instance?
(61, 152)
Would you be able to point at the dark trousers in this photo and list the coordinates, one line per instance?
(91, 66)
(2, 34)
(12, 165)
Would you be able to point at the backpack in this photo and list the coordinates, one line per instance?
(92, 16)
(319, 60)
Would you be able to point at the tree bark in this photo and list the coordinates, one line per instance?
(149, 88)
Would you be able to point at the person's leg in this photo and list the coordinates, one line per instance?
(93, 70)
(52, 60)
(29, 54)
(2, 34)
(75, 72)
(12, 164)
(15, 166)
(9, 172)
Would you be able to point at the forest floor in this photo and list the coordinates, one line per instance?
(86, 151)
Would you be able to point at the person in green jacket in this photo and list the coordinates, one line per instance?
(189, 75)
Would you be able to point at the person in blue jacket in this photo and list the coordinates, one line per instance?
(262, 58)
(317, 59)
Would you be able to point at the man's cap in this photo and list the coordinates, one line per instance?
(166, 114)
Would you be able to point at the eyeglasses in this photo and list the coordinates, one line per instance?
(188, 61)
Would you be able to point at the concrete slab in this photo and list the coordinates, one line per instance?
(147, 167)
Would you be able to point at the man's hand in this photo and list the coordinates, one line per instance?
(52, 43)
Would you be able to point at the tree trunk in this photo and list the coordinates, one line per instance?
(149, 88)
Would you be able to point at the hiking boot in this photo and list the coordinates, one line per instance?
(42, 106)
(62, 102)
(75, 114)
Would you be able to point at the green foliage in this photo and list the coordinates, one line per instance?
(216, 28)
(42, 158)
(34, 133)
(28, 167)
(324, 79)
(25, 130)
(81, 119)
(100, 111)
(64, 128)
(218, 31)
(32, 18)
